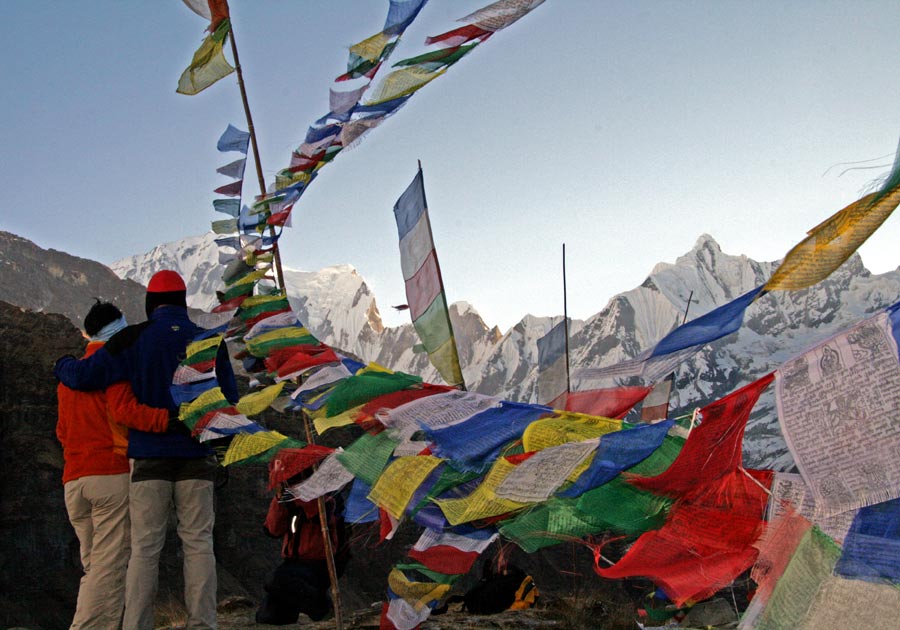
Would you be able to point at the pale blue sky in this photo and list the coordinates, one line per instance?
(623, 128)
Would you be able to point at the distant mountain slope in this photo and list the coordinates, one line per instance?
(55, 282)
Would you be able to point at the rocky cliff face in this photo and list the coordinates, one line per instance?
(39, 550)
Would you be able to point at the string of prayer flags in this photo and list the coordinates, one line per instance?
(424, 286)
(837, 406)
(347, 121)
(553, 371)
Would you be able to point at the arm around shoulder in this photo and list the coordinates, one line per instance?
(95, 372)
(127, 411)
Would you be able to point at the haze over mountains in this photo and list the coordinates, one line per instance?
(338, 306)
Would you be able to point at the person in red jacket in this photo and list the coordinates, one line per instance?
(301, 583)
(92, 430)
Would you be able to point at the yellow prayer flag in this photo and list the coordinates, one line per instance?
(250, 278)
(371, 48)
(417, 594)
(566, 427)
(256, 300)
(257, 402)
(322, 422)
(832, 242)
(209, 63)
(402, 82)
(246, 445)
(209, 398)
(483, 502)
(446, 361)
(204, 344)
(399, 481)
(374, 367)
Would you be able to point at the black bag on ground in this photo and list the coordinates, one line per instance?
(495, 593)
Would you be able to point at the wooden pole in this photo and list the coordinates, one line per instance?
(566, 320)
(279, 277)
(437, 266)
(326, 540)
(279, 273)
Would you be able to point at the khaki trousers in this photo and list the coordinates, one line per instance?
(151, 502)
(98, 510)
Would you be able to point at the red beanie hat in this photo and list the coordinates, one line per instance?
(165, 288)
(165, 281)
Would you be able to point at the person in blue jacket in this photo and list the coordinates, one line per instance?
(168, 469)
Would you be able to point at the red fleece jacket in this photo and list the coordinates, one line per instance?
(92, 426)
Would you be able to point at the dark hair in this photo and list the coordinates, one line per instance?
(101, 314)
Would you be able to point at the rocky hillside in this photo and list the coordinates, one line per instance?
(56, 282)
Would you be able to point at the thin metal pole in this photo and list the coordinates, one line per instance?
(687, 308)
(437, 266)
(566, 320)
(279, 274)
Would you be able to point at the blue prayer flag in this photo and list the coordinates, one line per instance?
(871, 550)
(714, 325)
(410, 206)
(234, 140)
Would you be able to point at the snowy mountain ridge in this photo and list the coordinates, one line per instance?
(337, 305)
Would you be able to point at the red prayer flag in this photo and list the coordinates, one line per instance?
(230, 190)
(611, 402)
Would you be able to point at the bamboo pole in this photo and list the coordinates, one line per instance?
(437, 266)
(279, 273)
(279, 277)
(326, 540)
